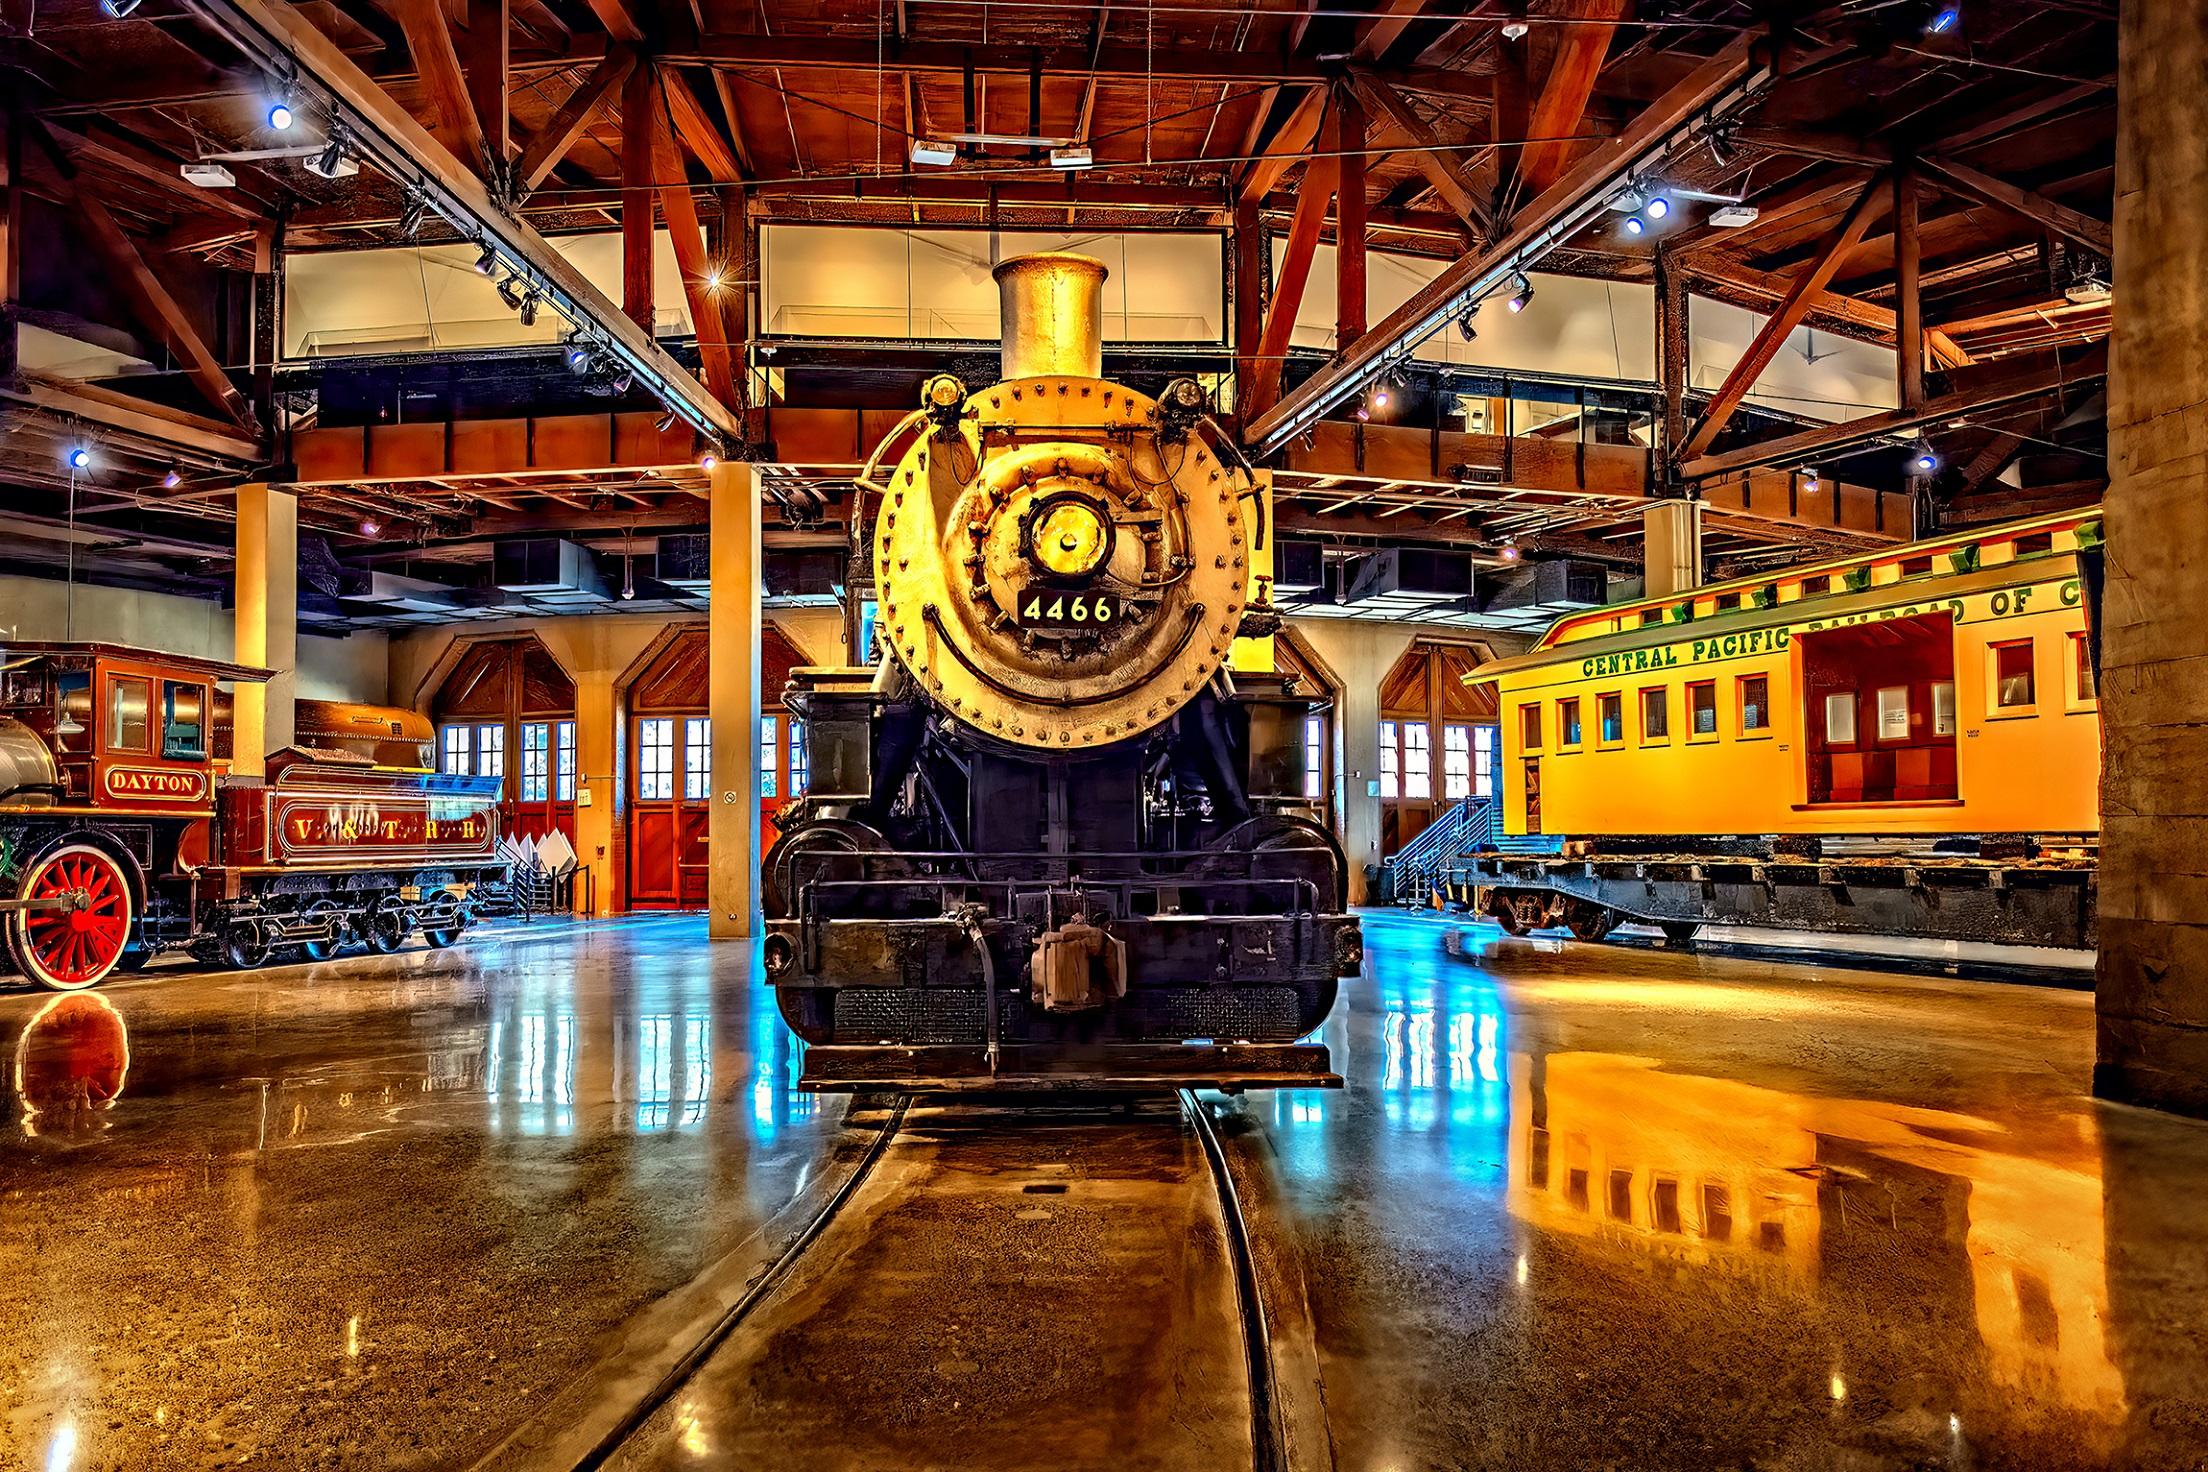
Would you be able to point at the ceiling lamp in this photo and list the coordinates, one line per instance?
(708, 462)
(509, 292)
(528, 307)
(1658, 207)
(1635, 225)
(934, 152)
(487, 262)
(1522, 296)
(208, 176)
(1923, 459)
(280, 116)
(1514, 23)
(1810, 483)
(333, 162)
(1733, 216)
(1072, 156)
(172, 480)
(79, 457)
(1943, 18)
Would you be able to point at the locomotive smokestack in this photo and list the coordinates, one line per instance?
(1053, 315)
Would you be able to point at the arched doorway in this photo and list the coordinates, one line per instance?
(1438, 738)
(507, 709)
(669, 775)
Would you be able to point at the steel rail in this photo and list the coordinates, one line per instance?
(1268, 1446)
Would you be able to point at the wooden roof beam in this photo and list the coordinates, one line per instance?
(1427, 153)
(699, 133)
(429, 36)
(1564, 96)
(1320, 178)
(2072, 225)
(1286, 148)
(542, 154)
(680, 208)
(1787, 316)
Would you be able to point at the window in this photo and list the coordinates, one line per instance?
(536, 761)
(2035, 544)
(490, 751)
(1529, 727)
(1943, 708)
(1456, 762)
(1567, 722)
(697, 758)
(2081, 660)
(183, 721)
(1915, 567)
(1418, 760)
(1484, 741)
(1610, 709)
(1840, 718)
(127, 700)
(1727, 602)
(770, 727)
(563, 765)
(801, 760)
(1755, 702)
(1314, 756)
(1650, 617)
(1893, 713)
(1656, 714)
(2012, 675)
(455, 748)
(1391, 761)
(1702, 708)
(655, 760)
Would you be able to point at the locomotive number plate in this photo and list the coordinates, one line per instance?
(1050, 610)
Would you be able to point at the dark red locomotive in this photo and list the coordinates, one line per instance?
(122, 834)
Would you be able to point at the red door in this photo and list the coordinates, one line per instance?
(672, 777)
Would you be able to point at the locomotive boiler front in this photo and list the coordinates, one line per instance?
(1055, 565)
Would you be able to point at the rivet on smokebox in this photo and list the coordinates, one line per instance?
(1219, 561)
(1237, 562)
(996, 402)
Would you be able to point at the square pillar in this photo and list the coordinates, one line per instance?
(267, 612)
(598, 786)
(1671, 542)
(732, 696)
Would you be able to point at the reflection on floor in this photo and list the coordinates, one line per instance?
(1579, 1205)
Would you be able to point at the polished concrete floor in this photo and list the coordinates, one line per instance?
(1579, 1207)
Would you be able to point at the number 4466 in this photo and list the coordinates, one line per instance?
(1078, 609)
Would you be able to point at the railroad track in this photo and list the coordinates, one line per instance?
(627, 1395)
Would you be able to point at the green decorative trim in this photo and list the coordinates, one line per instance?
(1766, 596)
(2090, 536)
(1683, 612)
(1857, 579)
(1964, 559)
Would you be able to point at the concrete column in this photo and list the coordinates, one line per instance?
(1671, 535)
(1357, 740)
(267, 626)
(2153, 976)
(732, 684)
(598, 784)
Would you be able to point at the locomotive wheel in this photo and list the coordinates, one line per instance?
(384, 928)
(439, 939)
(1518, 913)
(68, 950)
(242, 946)
(1590, 922)
(322, 950)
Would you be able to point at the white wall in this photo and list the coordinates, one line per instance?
(352, 668)
(867, 281)
(1577, 328)
(418, 299)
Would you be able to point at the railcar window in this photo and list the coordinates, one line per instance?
(1755, 703)
(1727, 602)
(1418, 760)
(1702, 708)
(454, 749)
(1314, 756)
(1611, 711)
(697, 758)
(1651, 616)
(801, 760)
(127, 699)
(1915, 567)
(1391, 761)
(1567, 722)
(1529, 727)
(536, 760)
(2081, 660)
(655, 759)
(1456, 762)
(563, 766)
(769, 779)
(2035, 544)
(2012, 674)
(1943, 708)
(1656, 714)
(183, 721)
(1840, 718)
(1893, 713)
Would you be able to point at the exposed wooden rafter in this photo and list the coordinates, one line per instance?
(429, 36)
(1428, 155)
(543, 152)
(2094, 235)
(1564, 96)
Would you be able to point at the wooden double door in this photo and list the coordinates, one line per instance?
(669, 763)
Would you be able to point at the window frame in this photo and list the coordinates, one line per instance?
(1854, 739)
(1604, 741)
(169, 691)
(770, 757)
(1390, 775)
(564, 761)
(1761, 731)
(1571, 733)
(490, 749)
(2077, 670)
(697, 758)
(1529, 725)
(1998, 709)
(1952, 715)
(536, 761)
(111, 737)
(1694, 736)
(1450, 778)
(647, 771)
(1662, 708)
(456, 740)
(1878, 733)
(1425, 769)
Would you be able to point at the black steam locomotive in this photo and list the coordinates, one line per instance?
(1053, 840)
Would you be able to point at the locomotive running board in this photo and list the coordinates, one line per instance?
(1038, 1068)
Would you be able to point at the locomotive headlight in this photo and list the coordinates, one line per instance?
(1071, 538)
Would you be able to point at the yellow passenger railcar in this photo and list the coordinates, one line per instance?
(1921, 719)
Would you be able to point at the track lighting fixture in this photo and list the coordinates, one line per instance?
(578, 354)
(410, 215)
(333, 162)
(1634, 225)
(1522, 296)
(487, 262)
(1810, 483)
(664, 422)
(1942, 19)
(708, 461)
(528, 307)
(1658, 207)
(622, 383)
(1923, 459)
(509, 292)
(117, 9)
(172, 480)
(1466, 324)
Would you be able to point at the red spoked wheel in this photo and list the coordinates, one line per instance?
(68, 949)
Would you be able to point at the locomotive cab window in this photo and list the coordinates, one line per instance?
(183, 721)
(128, 699)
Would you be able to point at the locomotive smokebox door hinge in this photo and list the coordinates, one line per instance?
(1078, 966)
